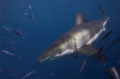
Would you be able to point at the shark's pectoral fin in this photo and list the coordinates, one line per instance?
(90, 50)
(80, 19)
(87, 50)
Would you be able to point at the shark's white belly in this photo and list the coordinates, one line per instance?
(65, 53)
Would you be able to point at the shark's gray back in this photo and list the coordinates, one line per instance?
(83, 32)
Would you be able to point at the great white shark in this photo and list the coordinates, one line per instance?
(78, 40)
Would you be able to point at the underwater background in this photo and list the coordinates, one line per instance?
(53, 18)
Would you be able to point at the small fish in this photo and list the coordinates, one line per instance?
(50, 73)
(83, 65)
(12, 43)
(6, 52)
(20, 32)
(113, 73)
(96, 54)
(33, 18)
(23, 31)
(30, 7)
(99, 51)
(93, 57)
(108, 22)
(108, 48)
(9, 40)
(26, 76)
(116, 40)
(104, 37)
(17, 33)
(6, 28)
(17, 73)
(13, 47)
(3, 71)
(28, 15)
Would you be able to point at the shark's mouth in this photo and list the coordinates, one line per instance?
(48, 58)
(68, 52)
(57, 56)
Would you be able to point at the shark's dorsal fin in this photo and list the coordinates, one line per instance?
(80, 19)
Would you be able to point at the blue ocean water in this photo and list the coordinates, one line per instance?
(53, 19)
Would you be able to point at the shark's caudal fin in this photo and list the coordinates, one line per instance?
(89, 50)
(80, 19)
(108, 21)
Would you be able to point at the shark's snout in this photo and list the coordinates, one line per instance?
(43, 58)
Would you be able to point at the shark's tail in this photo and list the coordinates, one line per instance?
(108, 21)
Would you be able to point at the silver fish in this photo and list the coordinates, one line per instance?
(10, 41)
(17, 73)
(50, 73)
(3, 71)
(6, 52)
(6, 28)
(83, 65)
(33, 18)
(26, 76)
(23, 31)
(28, 15)
(30, 7)
(17, 33)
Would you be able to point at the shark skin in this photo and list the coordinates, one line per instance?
(78, 40)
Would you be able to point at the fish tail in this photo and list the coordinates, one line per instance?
(15, 48)
(104, 13)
